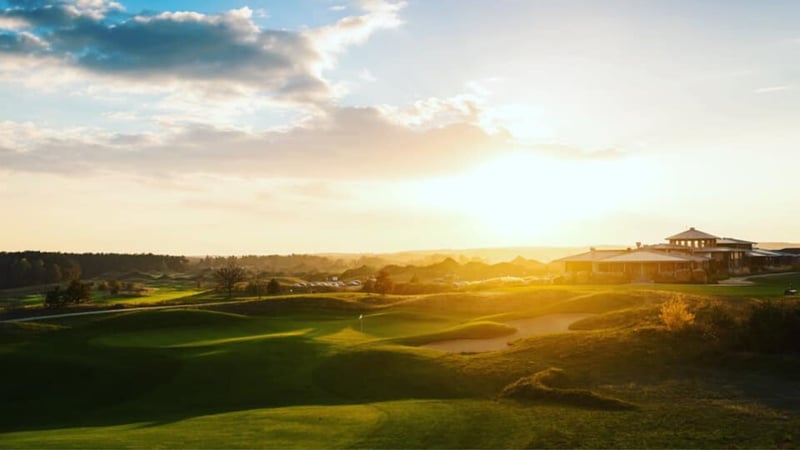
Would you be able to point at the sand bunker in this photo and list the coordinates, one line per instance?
(551, 323)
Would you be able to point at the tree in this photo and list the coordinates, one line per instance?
(228, 276)
(368, 286)
(273, 288)
(76, 292)
(71, 270)
(54, 298)
(53, 273)
(257, 285)
(39, 272)
(383, 284)
(21, 272)
(114, 286)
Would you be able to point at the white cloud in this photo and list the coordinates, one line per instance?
(344, 143)
(353, 30)
(366, 75)
(13, 23)
(770, 89)
(436, 112)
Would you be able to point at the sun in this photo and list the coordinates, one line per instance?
(524, 197)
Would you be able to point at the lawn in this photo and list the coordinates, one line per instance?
(298, 371)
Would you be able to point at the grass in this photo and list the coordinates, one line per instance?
(297, 371)
(548, 386)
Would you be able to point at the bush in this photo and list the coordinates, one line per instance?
(683, 276)
(774, 327)
(76, 292)
(717, 323)
(699, 276)
(675, 314)
(609, 278)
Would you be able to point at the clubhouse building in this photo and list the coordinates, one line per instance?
(689, 256)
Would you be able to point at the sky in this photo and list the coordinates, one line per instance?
(261, 127)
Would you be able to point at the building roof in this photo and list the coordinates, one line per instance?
(667, 247)
(591, 256)
(645, 256)
(760, 253)
(691, 233)
(717, 250)
(728, 240)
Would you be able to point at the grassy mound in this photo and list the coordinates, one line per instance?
(551, 385)
(293, 304)
(471, 330)
(626, 318)
(390, 373)
(19, 331)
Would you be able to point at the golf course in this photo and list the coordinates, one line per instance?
(357, 370)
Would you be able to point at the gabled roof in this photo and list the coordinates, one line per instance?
(691, 233)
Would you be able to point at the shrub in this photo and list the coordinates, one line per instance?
(719, 324)
(774, 327)
(675, 314)
(699, 276)
(683, 276)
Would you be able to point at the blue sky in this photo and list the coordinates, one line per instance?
(483, 124)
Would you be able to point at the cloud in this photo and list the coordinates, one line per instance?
(353, 30)
(436, 112)
(366, 75)
(346, 143)
(186, 48)
(20, 43)
(12, 23)
(770, 89)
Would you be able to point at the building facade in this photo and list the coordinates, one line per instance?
(690, 256)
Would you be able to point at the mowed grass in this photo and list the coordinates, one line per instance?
(300, 372)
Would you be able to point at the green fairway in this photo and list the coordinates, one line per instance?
(307, 372)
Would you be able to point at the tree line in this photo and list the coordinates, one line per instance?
(18, 269)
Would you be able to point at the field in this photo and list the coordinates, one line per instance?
(151, 289)
(298, 371)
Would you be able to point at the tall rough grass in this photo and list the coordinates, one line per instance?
(551, 385)
(675, 314)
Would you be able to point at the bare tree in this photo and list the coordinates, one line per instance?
(228, 276)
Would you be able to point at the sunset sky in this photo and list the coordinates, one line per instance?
(252, 127)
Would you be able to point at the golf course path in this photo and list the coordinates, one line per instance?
(551, 323)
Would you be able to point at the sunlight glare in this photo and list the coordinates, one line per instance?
(523, 196)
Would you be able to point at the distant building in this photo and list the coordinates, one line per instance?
(690, 256)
